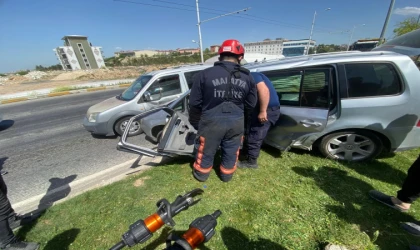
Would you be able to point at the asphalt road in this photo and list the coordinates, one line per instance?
(43, 144)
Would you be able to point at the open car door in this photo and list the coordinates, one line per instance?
(178, 135)
(306, 98)
(124, 145)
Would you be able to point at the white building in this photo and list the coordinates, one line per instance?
(268, 47)
(297, 47)
(279, 46)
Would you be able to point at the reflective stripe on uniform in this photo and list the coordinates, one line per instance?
(200, 152)
(231, 171)
(226, 170)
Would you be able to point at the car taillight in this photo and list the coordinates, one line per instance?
(418, 124)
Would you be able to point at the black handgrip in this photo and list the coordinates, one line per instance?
(119, 245)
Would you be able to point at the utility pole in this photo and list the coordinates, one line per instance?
(199, 32)
(312, 30)
(418, 20)
(388, 16)
(310, 36)
(351, 36)
(200, 22)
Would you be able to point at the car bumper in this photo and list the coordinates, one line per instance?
(99, 128)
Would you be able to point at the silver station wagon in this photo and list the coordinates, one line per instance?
(351, 106)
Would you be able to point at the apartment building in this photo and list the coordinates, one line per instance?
(78, 53)
(279, 46)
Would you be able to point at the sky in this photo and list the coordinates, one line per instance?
(30, 30)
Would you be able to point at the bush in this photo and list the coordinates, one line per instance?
(3, 74)
(22, 72)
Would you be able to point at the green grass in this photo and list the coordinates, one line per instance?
(296, 200)
(69, 88)
(66, 88)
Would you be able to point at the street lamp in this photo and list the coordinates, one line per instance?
(312, 30)
(351, 36)
(200, 22)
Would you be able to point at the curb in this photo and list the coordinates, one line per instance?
(113, 174)
(82, 88)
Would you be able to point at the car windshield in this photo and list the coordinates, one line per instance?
(411, 39)
(135, 88)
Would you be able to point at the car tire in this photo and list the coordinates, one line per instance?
(351, 146)
(119, 127)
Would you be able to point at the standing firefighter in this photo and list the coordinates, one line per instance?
(218, 98)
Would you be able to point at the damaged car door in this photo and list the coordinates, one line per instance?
(306, 97)
(177, 137)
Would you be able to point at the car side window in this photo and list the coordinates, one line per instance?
(315, 88)
(303, 88)
(165, 86)
(189, 76)
(287, 86)
(372, 79)
(179, 106)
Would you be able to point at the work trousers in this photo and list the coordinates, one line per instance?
(6, 210)
(258, 131)
(410, 190)
(221, 126)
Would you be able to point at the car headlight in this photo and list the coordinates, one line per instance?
(92, 117)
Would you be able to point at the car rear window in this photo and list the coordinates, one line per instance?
(372, 79)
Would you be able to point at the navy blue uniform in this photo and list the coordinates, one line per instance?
(257, 130)
(217, 102)
(6, 233)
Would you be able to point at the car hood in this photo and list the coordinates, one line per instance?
(105, 105)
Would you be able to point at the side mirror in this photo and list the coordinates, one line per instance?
(147, 96)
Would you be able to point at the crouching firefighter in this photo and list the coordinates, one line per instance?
(218, 98)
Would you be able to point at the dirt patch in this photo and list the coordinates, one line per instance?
(13, 83)
(47, 222)
(70, 75)
(140, 182)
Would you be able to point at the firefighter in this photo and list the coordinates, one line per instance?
(219, 96)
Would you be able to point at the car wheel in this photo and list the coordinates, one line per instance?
(351, 146)
(121, 125)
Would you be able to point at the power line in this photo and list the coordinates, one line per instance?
(148, 4)
(248, 17)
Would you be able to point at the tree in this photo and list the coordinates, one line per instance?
(325, 48)
(207, 51)
(406, 26)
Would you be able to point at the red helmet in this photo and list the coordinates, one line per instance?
(232, 46)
